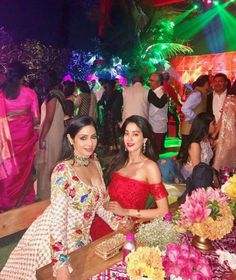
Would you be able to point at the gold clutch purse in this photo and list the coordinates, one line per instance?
(110, 247)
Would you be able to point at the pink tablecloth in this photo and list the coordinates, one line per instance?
(118, 271)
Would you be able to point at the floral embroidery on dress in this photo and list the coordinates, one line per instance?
(60, 167)
(58, 255)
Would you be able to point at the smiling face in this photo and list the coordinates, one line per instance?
(133, 138)
(219, 84)
(85, 141)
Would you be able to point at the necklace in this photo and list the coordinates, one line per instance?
(81, 161)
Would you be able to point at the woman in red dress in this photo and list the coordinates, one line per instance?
(132, 176)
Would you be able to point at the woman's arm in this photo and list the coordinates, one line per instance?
(34, 107)
(195, 154)
(158, 191)
(50, 111)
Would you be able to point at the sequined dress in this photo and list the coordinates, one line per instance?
(225, 155)
(131, 194)
(62, 228)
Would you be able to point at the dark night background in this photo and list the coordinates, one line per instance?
(72, 24)
(59, 23)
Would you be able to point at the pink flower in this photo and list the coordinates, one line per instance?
(54, 261)
(172, 252)
(185, 250)
(79, 231)
(57, 246)
(87, 215)
(75, 178)
(168, 217)
(72, 192)
(60, 167)
(187, 262)
(186, 271)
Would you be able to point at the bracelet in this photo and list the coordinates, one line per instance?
(138, 215)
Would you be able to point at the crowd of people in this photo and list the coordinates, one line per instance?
(134, 123)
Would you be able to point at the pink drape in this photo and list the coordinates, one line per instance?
(20, 114)
(8, 165)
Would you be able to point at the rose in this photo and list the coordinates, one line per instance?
(168, 217)
(60, 167)
(57, 246)
(72, 192)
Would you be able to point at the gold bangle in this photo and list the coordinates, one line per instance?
(138, 213)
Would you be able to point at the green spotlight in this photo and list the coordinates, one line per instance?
(195, 7)
(216, 3)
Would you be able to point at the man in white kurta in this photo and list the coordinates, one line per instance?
(135, 100)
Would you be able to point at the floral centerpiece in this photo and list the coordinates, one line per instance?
(158, 233)
(206, 213)
(185, 262)
(145, 262)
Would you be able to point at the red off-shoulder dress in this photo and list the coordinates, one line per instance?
(131, 194)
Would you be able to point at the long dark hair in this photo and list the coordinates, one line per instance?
(15, 72)
(199, 130)
(75, 125)
(122, 157)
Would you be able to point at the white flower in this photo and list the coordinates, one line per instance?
(226, 256)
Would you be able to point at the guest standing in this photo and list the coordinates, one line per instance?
(135, 99)
(158, 109)
(87, 101)
(217, 98)
(19, 112)
(51, 133)
(195, 104)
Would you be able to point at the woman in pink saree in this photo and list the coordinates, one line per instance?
(19, 112)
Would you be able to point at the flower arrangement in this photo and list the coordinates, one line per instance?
(229, 188)
(145, 262)
(157, 233)
(206, 213)
(185, 262)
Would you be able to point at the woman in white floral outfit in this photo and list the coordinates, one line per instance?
(77, 193)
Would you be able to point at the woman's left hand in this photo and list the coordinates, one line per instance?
(114, 207)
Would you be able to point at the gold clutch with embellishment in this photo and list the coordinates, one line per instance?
(110, 247)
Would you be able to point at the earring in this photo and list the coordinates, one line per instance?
(125, 149)
(144, 147)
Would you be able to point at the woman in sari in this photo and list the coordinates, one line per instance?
(19, 113)
(51, 133)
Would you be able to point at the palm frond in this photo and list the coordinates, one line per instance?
(167, 50)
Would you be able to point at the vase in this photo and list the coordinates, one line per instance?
(201, 243)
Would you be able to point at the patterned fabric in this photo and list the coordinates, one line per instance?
(62, 228)
(85, 104)
(131, 194)
(225, 154)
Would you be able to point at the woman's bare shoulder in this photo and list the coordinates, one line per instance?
(150, 165)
